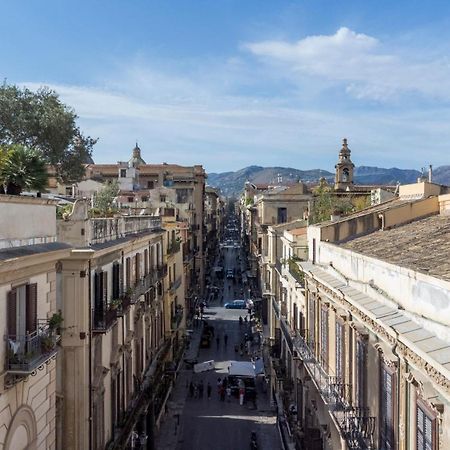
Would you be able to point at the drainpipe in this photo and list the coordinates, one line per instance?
(90, 353)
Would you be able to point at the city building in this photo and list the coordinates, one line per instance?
(29, 323)
(122, 308)
(365, 361)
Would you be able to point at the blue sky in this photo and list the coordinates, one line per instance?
(229, 83)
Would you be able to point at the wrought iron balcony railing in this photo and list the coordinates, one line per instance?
(356, 425)
(104, 317)
(174, 247)
(175, 285)
(176, 319)
(27, 352)
(161, 271)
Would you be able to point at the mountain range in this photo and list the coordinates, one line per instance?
(232, 183)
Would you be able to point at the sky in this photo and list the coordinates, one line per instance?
(232, 83)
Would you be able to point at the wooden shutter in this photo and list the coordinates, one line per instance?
(145, 262)
(425, 430)
(128, 272)
(120, 273)
(137, 267)
(12, 313)
(387, 409)
(97, 289)
(339, 350)
(420, 429)
(360, 372)
(105, 287)
(31, 312)
(324, 336)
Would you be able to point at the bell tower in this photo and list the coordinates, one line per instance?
(344, 169)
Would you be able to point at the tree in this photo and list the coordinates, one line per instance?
(22, 168)
(104, 199)
(40, 121)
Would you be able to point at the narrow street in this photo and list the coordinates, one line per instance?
(204, 423)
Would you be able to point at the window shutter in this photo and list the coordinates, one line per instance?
(97, 290)
(145, 262)
(31, 312)
(120, 273)
(128, 272)
(420, 431)
(105, 287)
(12, 313)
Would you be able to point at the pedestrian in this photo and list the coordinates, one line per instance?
(219, 384)
(195, 390)
(191, 389)
(208, 390)
(222, 394)
(218, 341)
(201, 388)
(228, 394)
(236, 348)
(225, 339)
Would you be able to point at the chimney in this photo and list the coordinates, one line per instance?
(430, 174)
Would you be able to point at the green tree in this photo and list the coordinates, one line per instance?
(22, 168)
(104, 200)
(40, 121)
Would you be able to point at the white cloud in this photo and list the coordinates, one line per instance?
(234, 114)
(359, 62)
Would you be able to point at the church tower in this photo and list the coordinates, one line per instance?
(344, 169)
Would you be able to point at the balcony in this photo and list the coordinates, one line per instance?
(161, 271)
(143, 285)
(174, 247)
(104, 317)
(176, 318)
(175, 285)
(356, 425)
(27, 352)
(296, 272)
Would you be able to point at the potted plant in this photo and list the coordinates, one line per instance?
(47, 344)
(116, 303)
(55, 322)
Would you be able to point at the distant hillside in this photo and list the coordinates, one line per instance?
(377, 175)
(232, 183)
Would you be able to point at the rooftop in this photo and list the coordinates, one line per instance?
(7, 254)
(422, 245)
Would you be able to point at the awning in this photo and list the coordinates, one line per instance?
(241, 369)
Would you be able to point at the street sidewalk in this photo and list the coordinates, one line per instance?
(170, 431)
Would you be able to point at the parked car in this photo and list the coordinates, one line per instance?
(236, 304)
(230, 273)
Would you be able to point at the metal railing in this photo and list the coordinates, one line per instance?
(161, 271)
(356, 425)
(173, 247)
(175, 285)
(176, 319)
(104, 317)
(27, 352)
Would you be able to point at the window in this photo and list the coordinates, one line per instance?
(150, 184)
(144, 199)
(426, 429)
(137, 266)
(22, 311)
(361, 364)
(345, 175)
(182, 195)
(162, 198)
(312, 321)
(387, 391)
(130, 199)
(123, 173)
(116, 280)
(340, 350)
(324, 337)
(282, 215)
(128, 272)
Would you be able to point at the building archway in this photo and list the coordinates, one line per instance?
(22, 431)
